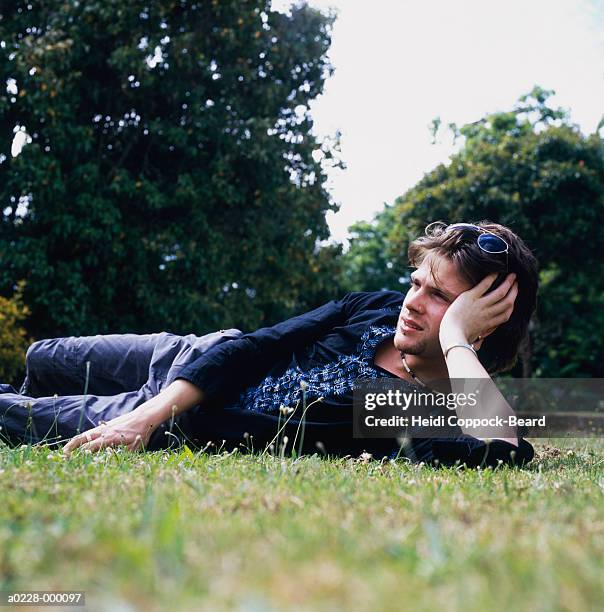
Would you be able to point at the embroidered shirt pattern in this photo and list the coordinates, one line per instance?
(332, 379)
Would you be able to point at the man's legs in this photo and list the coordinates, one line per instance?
(118, 363)
(25, 419)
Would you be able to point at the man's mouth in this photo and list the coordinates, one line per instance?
(410, 325)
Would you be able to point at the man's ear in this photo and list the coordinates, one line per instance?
(478, 343)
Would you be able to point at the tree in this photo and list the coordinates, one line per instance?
(369, 264)
(532, 170)
(170, 181)
(13, 337)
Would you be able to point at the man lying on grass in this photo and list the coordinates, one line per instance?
(464, 317)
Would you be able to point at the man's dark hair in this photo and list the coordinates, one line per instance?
(499, 351)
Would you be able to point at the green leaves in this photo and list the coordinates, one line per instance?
(532, 170)
(13, 337)
(164, 142)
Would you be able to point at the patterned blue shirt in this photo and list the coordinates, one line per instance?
(334, 378)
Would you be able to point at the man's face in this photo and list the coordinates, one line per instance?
(425, 305)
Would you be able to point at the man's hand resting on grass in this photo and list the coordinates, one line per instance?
(132, 430)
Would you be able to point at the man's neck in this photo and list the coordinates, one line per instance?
(424, 368)
(427, 368)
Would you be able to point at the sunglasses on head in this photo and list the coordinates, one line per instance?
(487, 241)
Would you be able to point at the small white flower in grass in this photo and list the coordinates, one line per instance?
(365, 457)
(283, 447)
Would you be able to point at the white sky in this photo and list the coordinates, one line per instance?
(399, 64)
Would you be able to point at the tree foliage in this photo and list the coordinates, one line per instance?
(532, 170)
(170, 181)
(13, 337)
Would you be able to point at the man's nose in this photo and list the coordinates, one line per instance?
(415, 301)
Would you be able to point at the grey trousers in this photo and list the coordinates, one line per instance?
(74, 383)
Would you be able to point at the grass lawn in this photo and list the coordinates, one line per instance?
(234, 531)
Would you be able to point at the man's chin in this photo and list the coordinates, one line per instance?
(408, 346)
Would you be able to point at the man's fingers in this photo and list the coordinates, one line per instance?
(106, 439)
(134, 446)
(77, 441)
(502, 318)
(97, 444)
(507, 302)
(105, 436)
(485, 283)
(503, 310)
(511, 295)
(87, 440)
(501, 291)
(513, 292)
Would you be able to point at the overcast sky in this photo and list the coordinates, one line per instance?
(399, 64)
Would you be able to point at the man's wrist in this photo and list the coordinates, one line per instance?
(178, 397)
(449, 338)
(461, 345)
(152, 413)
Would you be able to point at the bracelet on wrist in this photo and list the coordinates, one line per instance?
(462, 345)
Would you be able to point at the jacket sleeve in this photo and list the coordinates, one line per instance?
(226, 369)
